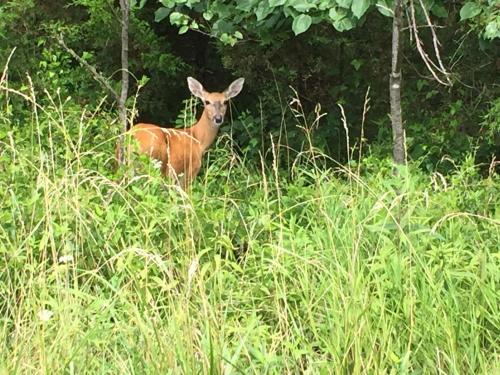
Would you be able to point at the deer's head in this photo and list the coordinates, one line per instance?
(215, 103)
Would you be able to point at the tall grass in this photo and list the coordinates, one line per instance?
(255, 270)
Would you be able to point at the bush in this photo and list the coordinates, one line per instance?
(321, 270)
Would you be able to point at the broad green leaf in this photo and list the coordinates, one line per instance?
(359, 7)
(344, 3)
(168, 3)
(301, 5)
(344, 24)
(301, 23)
(469, 10)
(276, 3)
(305, 7)
(263, 10)
(492, 30)
(176, 18)
(183, 29)
(238, 35)
(385, 7)
(289, 12)
(336, 14)
(208, 15)
(161, 13)
(324, 4)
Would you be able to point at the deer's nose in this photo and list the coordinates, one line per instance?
(218, 120)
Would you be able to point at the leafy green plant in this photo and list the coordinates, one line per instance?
(254, 269)
(484, 16)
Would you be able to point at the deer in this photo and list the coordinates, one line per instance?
(180, 151)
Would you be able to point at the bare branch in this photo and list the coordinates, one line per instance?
(97, 76)
(436, 43)
(431, 66)
(423, 27)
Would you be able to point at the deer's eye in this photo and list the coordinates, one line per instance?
(225, 102)
(207, 102)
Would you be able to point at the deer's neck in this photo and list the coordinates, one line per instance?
(204, 131)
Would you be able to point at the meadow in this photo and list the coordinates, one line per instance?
(273, 265)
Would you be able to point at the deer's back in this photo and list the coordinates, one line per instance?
(176, 149)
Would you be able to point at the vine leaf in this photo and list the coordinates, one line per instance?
(359, 7)
(301, 23)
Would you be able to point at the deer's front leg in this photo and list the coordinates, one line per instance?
(191, 173)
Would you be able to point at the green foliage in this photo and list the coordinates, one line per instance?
(301, 23)
(359, 7)
(188, 114)
(314, 63)
(470, 10)
(262, 17)
(484, 16)
(490, 126)
(90, 28)
(256, 269)
(275, 45)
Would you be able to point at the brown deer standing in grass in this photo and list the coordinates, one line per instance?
(180, 151)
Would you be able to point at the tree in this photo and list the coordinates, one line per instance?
(399, 154)
(125, 9)
(119, 98)
(260, 20)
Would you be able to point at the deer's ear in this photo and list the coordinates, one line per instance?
(195, 87)
(234, 88)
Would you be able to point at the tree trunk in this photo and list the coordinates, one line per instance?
(124, 5)
(398, 134)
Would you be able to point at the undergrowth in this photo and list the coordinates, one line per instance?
(256, 269)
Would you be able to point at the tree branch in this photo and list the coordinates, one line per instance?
(97, 76)
(436, 43)
(431, 66)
